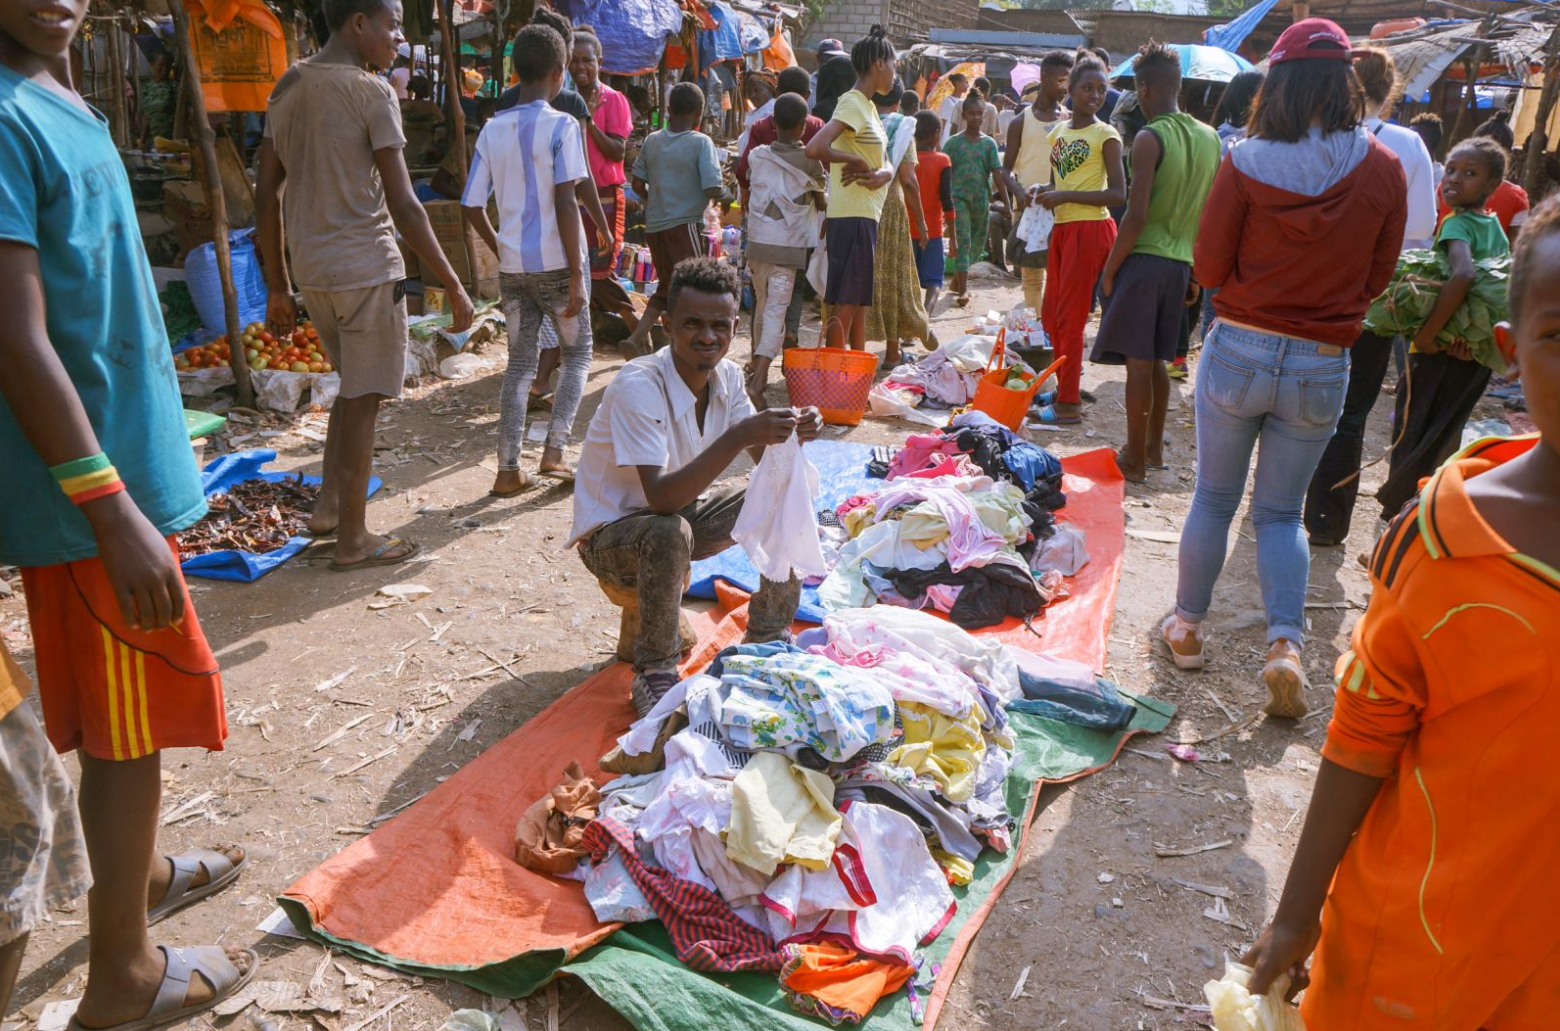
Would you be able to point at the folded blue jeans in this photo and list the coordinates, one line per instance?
(1286, 393)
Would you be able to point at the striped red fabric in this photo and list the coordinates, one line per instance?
(705, 932)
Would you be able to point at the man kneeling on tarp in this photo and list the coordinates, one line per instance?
(669, 424)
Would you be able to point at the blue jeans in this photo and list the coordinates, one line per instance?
(1286, 392)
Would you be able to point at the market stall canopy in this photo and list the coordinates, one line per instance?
(633, 33)
(1198, 64)
(1424, 55)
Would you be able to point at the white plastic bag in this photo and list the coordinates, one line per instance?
(1236, 1009)
(1034, 227)
(818, 267)
(778, 527)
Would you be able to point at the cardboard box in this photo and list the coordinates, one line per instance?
(445, 217)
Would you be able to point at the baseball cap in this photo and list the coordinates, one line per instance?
(1312, 39)
(831, 46)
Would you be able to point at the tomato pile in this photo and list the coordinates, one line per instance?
(298, 353)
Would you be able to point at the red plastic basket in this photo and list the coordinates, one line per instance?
(834, 379)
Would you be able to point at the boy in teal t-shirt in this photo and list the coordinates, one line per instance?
(1146, 285)
(1446, 381)
(98, 476)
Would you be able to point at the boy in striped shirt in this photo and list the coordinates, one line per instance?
(531, 157)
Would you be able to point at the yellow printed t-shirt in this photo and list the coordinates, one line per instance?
(864, 137)
(1078, 164)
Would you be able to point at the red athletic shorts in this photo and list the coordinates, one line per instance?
(109, 689)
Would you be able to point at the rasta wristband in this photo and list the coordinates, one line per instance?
(86, 479)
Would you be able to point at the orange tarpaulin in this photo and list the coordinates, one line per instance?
(240, 50)
(437, 890)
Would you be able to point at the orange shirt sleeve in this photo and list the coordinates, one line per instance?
(1381, 690)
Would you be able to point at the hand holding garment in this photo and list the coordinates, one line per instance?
(779, 531)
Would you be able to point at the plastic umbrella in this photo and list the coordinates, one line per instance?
(1198, 63)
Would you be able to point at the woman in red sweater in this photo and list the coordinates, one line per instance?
(1301, 231)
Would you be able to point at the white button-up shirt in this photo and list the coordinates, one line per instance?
(648, 416)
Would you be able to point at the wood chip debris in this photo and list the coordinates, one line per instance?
(1216, 890)
(1167, 851)
(1018, 988)
(337, 735)
(364, 762)
(256, 516)
(279, 997)
(1220, 912)
(381, 1011)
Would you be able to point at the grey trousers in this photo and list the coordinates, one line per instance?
(529, 299)
(652, 554)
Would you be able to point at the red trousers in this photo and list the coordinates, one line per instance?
(1078, 253)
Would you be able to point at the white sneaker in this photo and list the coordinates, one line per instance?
(1185, 642)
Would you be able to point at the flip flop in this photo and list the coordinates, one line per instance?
(1155, 467)
(220, 871)
(377, 557)
(539, 401)
(1046, 414)
(323, 535)
(565, 475)
(211, 962)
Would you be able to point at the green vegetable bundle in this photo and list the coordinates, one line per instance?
(1405, 306)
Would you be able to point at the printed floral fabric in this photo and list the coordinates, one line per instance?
(43, 860)
(795, 698)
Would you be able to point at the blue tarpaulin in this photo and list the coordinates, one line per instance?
(1232, 34)
(221, 474)
(842, 472)
(755, 38)
(725, 42)
(633, 33)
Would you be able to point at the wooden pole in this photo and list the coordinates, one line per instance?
(1537, 146)
(450, 48)
(1470, 102)
(216, 200)
(119, 112)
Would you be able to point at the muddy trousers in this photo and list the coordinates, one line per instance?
(652, 554)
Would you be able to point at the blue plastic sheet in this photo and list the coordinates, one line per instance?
(633, 33)
(205, 283)
(725, 42)
(247, 566)
(755, 38)
(842, 472)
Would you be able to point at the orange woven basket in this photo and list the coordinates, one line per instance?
(835, 379)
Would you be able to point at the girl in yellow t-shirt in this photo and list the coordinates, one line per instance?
(1087, 178)
(855, 147)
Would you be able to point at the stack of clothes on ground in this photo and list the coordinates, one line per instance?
(804, 808)
(937, 385)
(964, 524)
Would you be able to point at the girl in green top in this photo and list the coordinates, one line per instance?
(975, 158)
(1445, 383)
(855, 147)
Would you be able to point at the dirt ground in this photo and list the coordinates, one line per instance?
(1099, 930)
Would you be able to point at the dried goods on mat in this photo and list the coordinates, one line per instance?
(257, 516)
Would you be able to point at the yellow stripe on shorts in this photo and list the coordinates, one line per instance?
(127, 685)
(140, 686)
(113, 692)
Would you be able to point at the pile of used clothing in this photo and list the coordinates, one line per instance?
(937, 385)
(806, 808)
(963, 524)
